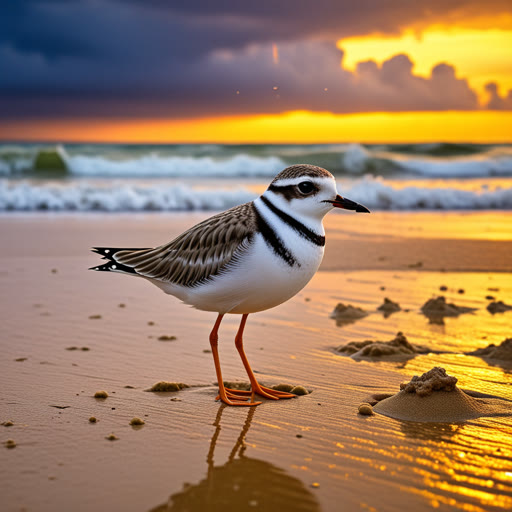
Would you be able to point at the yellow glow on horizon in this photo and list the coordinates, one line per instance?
(479, 55)
(291, 127)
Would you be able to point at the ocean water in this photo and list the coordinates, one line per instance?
(97, 177)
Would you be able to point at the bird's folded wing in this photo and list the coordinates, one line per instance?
(200, 253)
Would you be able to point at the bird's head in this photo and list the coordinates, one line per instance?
(309, 191)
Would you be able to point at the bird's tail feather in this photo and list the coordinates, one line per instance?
(108, 253)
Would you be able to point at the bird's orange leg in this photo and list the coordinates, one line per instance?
(224, 395)
(256, 388)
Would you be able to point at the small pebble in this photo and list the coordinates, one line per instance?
(101, 394)
(299, 391)
(461, 290)
(94, 317)
(10, 443)
(365, 409)
(298, 435)
(8, 423)
(112, 437)
(443, 288)
(121, 305)
(135, 422)
(315, 485)
(92, 419)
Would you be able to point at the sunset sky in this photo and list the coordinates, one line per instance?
(266, 71)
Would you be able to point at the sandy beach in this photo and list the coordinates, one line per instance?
(68, 333)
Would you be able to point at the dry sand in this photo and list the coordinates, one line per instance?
(314, 451)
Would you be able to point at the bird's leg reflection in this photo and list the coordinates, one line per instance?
(242, 483)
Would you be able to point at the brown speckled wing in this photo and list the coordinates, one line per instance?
(200, 253)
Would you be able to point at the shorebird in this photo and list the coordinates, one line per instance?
(247, 259)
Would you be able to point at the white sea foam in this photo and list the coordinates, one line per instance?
(85, 197)
(375, 193)
(175, 166)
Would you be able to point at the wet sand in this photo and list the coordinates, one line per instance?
(308, 453)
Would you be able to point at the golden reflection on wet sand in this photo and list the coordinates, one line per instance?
(242, 483)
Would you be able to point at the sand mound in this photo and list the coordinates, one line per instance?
(346, 313)
(438, 307)
(388, 307)
(398, 346)
(498, 307)
(503, 351)
(434, 397)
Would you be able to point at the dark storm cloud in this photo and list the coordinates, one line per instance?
(188, 58)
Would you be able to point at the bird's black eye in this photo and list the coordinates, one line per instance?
(306, 187)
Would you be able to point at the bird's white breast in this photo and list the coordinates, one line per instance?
(260, 279)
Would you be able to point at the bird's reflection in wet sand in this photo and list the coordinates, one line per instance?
(241, 484)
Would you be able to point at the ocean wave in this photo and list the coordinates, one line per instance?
(117, 161)
(154, 165)
(374, 193)
(123, 198)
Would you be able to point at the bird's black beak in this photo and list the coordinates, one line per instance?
(347, 204)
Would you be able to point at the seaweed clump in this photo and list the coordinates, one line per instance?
(388, 307)
(438, 307)
(398, 346)
(498, 307)
(166, 387)
(346, 314)
(434, 380)
(503, 351)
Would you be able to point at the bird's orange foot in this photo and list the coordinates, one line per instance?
(230, 398)
(260, 390)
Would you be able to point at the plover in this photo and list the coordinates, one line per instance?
(247, 259)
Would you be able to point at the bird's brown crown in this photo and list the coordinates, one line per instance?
(301, 170)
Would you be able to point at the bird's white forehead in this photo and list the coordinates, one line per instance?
(319, 180)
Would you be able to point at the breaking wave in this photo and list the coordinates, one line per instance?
(374, 193)
(117, 161)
